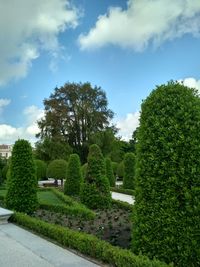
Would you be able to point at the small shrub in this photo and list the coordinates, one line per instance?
(74, 176)
(57, 169)
(22, 183)
(41, 169)
(120, 170)
(129, 171)
(95, 190)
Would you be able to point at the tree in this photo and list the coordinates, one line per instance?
(129, 171)
(51, 149)
(109, 172)
(95, 191)
(41, 169)
(73, 113)
(120, 170)
(57, 169)
(74, 176)
(22, 183)
(167, 196)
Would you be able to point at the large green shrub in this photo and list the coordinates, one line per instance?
(167, 195)
(129, 171)
(109, 172)
(114, 167)
(41, 169)
(22, 183)
(57, 169)
(74, 176)
(95, 190)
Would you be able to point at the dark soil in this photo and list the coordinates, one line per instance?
(112, 225)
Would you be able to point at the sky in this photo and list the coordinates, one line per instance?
(125, 47)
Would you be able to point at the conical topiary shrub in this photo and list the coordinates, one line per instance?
(167, 195)
(74, 176)
(22, 182)
(95, 191)
(129, 171)
(109, 172)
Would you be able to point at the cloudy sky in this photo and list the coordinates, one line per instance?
(125, 47)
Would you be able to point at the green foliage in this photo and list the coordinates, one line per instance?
(120, 170)
(95, 190)
(122, 205)
(74, 176)
(57, 169)
(73, 113)
(167, 194)
(129, 171)
(1, 177)
(85, 243)
(4, 172)
(114, 167)
(84, 170)
(41, 169)
(22, 183)
(109, 172)
(50, 149)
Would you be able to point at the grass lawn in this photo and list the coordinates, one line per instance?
(49, 198)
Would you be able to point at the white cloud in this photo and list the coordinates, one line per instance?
(3, 103)
(144, 22)
(9, 134)
(128, 125)
(29, 27)
(191, 82)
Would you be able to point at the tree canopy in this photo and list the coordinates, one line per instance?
(73, 113)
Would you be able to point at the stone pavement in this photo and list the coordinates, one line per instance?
(20, 248)
(123, 197)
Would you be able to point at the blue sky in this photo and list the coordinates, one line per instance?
(125, 47)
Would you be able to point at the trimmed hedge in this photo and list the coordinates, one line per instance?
(120, 170)
(109, 171)
(95, 190)
(123, 205)
(166, 219)
(122, 190)
(129, 171)
(73, 207)
(85, 243)
(74, 176)
(22, 183)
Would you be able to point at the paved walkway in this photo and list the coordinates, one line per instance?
(123, 197)
(20, 248)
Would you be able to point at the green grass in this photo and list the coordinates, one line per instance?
(3, 192)
(48, 197)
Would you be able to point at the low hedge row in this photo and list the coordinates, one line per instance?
(72, 210)
(122, 190)
(73, 207)
(86, 243)
(122, 205)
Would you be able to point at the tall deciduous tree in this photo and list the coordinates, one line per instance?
(73, 113)
(167, 195)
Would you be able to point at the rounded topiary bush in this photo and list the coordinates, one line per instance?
(84, 170)
(74, 176)
(167, 195)
(57, 169)
(41, 169)
(114, 167)
(129, 171)
(95, 190)
(22, 182)
(109, 172)
(120, 170)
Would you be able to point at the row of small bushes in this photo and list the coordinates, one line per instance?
(73, 207)
(64, 209)
(122, 190)
(122, 205)
(86, 243)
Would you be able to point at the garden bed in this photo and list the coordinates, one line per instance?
(112, 225)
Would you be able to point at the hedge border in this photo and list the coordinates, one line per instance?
(122, 190)
(86, 243)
